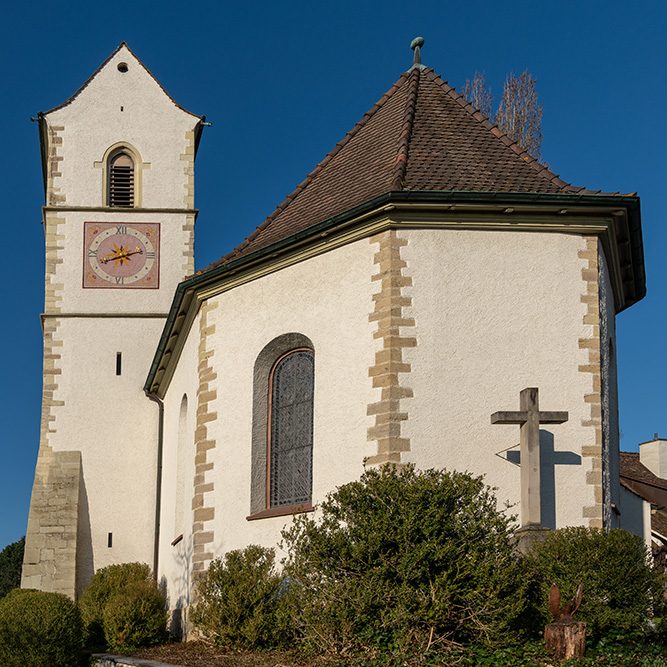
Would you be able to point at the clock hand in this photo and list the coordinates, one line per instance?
(121, 255)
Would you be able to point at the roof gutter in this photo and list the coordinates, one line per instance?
(43, 148)
(458, 200)
(623, 476)
(158, 484)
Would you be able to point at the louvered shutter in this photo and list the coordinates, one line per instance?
(121, 181)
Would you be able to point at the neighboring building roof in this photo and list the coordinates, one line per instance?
(633, 470)
(421, 136)
(638, 479)
(659, 523)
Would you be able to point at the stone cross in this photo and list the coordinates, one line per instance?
(530, 418)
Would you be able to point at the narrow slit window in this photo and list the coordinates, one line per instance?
(119, 362)
(110, 540)
(121, 181)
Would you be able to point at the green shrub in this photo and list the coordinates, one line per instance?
(39, 629)
(11, 562)
(621, 591)
(404, 561)
(135, 616)
(239, 600)
(122, 606)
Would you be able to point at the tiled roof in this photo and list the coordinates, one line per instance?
(633, 469)
(421, 136)
(659, 522)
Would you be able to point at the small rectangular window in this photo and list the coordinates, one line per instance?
(110, 540)
(118, 362)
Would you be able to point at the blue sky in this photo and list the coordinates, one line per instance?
(282, 82)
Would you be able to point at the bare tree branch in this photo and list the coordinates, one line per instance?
(519, 115)
(476, 93)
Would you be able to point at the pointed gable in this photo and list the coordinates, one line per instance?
(420, 136)
(122, 54)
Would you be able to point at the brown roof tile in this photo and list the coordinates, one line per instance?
(659, 522)
(633, 469)
(454, 147)
(421, 135)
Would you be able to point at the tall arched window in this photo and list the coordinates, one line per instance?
(121, 180)
(282, 427)
(291, 429)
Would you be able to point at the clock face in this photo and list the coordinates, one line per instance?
(121, 255)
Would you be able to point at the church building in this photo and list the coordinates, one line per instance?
(402, 306)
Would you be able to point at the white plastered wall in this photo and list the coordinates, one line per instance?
(635, 515)
(480, 341)
(653, 454)
(178, 466)
(496, 312)
(109, 419)
(74, 298)
(328, 299)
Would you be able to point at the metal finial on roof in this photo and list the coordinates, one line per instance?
(415, 45)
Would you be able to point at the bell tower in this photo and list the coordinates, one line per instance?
(118, 167)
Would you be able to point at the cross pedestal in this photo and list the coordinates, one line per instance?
(529, 419)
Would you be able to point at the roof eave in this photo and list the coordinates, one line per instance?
(43, 150)
(621, 235)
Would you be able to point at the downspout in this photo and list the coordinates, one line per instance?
(158, 482)
(43, 150)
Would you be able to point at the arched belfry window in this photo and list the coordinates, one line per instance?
(121, 180)
(282, 427)
(122, 167)
(291, 429)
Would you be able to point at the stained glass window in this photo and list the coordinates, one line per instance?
(291, 429)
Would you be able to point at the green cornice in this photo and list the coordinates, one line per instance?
(615, 218)
(118, 209)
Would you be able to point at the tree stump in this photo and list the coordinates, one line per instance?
(566, 640)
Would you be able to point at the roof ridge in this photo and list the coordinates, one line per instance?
(403, 149)
(528, 159)
(312, 175)
(85, 84)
